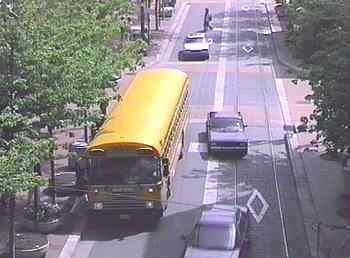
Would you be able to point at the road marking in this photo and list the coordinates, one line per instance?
(211, 183)
(257, 196)
(245, 8)
(69, 247)
(178, 25)
(220, 85)
(84, 249)
(197, 120)
(197, 147)
(247, 49)
(244, 190)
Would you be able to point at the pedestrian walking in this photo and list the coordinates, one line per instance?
(207, 20)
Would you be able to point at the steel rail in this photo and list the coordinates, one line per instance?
(237, 93)
(269, 132)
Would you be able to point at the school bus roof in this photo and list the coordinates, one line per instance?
(143, 117)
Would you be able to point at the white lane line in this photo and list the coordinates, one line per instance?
(211, 183)
(220, 85)
(197, 147)
(165, 42)
(72, 241)
(179, 24)
(69, 247)
(197, 120)
(84, 249)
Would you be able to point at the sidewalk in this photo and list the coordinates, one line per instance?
(322, 185)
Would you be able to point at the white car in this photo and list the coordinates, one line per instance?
(196, 47)
(221, 232)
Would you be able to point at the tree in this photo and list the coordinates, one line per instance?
(322, 39)
(20, 151)
(17, 174)
(69, 59)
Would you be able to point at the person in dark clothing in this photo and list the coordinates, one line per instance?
(207, 20)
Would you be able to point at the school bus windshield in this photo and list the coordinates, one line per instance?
(125, 170)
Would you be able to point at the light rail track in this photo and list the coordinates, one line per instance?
(272, 153)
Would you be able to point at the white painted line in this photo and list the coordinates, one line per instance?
(197, 120)
(197, 147)
(220, 85)
(257, 217)
(211, 183)
(221, 73)
(245, 8)
(247, 49)
(69, 247)
(244, 189)
(84, 249)
(178, 27)
(165, 43)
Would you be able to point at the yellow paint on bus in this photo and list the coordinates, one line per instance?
(144, 117)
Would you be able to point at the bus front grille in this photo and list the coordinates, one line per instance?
(123, 201)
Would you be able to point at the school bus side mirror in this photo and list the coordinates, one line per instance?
(166, 168)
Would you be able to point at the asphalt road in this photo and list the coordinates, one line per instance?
(238, 76)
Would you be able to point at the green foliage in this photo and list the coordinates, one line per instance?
(55, 55)
(46, 212)
(69, 59)
(17, 165)
(319, 32)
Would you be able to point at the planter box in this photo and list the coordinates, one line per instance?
(38, 252)
(30, 245)
(43, 227)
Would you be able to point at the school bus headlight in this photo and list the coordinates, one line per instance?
(149, 205)
(150, 190)
(98, 205)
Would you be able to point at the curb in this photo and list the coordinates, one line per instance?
(279, 59)
(304, 193)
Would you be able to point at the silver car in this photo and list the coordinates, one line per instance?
(221, 232)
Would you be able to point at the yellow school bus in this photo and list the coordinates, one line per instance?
(133, 155)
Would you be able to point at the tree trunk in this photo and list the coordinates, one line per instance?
(148, 20)
(37, 169)
(160, 4)
(142, 17)
(86, 133)
(52, 168)
(12, 231)
(156, 14)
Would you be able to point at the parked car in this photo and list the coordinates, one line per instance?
(221, 232)
(226, 133)
(196, 47)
